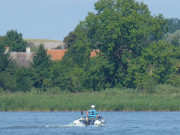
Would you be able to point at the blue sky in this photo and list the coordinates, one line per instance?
(54, 19)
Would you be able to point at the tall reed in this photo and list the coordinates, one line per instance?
(108, 100)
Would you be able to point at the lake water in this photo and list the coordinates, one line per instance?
(118, 123)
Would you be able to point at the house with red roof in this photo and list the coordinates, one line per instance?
(26, 58)
(58, 54)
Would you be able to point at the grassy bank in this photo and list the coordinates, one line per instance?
(163, 98)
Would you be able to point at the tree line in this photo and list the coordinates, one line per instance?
(136, 50)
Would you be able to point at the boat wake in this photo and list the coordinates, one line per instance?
(69, 125)
(46, 126)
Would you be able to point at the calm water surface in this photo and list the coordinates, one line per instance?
(118, 123)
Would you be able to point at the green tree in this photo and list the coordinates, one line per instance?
(70, 39)
(67, 76)
(5, 59)
(23, 77)
(70, 71)
(7, 69)
(174, 24)
(94, 77)
(7, 81)
(41, 68)
(120, 29)
(173, 38)
(75, 79)
(79, 53)
(78, 35)
(15, 41)
(157, 63)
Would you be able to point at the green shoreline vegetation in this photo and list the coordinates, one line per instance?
(162, 98)
(136, 66)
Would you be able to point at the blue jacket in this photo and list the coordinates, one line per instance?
(92, 113)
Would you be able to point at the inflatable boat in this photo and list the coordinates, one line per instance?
(90, 121)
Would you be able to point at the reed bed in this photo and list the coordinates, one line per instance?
(108, 100)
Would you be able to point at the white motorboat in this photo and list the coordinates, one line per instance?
(90, 121)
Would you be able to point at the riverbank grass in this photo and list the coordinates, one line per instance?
(164, 98)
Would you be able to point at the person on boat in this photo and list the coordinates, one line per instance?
(92, 113)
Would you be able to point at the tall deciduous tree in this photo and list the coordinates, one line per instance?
(15, 41)
(79, 34)
(121, 29)
(79, 53)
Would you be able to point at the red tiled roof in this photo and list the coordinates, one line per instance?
(94, 53)
(58, 54)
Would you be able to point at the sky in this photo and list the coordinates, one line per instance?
(54, 19)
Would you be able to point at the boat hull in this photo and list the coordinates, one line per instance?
(90, 121)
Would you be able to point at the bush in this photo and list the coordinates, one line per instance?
(147, 85)
(177, 80)
(166, 89)
(1, 90)
(54, 90)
